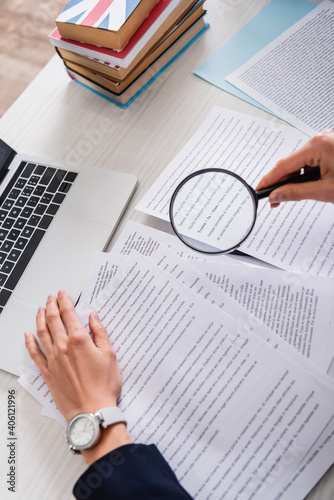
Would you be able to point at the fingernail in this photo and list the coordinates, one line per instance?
(95, 316)
(26, 334)
(41, 309)
(274, 205)
(60, 292)
(276, 198)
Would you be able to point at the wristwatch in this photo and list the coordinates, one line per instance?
(84, 429)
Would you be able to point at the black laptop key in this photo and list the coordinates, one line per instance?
(8, 223)
(6, 246)
(33, 181)
(39, 190)
(14, 255)
(21, 201)
(24, 259)
(40, 209)
(56, 181)
(39, 170)
(7, 267)
(26, 212)
(50, 171)
(21, 243)
(45, 222)
(15, 193)
(20, 223)
(27, 190)
(52, 209)
(29, 168)
(3, 278)
(3, 214)
(64, 187)
(20, 183)
(70, 176)
(3, 234)
(4, 296)
(34, 220)
(58, 198)
(15, 212)
(32, 202)
(7, 204)
(27, 231)
(46, 198)
(14, 234)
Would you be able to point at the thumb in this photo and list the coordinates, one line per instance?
(99, 333)
(297, 192)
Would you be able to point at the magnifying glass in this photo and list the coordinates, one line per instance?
(214, 210)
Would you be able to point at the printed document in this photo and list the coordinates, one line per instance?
(297, 236)
(293, 75)
(294, 307)
(197, 381)
(271, 21)
(196, 377)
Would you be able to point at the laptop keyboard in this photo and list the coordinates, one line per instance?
(27, 208)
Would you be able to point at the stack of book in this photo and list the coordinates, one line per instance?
(118, 47)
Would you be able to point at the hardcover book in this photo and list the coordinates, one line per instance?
(109, 23)
(121, 74)
(147, 77)
(143, 39)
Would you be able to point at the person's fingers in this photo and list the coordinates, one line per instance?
(54, 321)
(99, 333)
(318, 190)
(284, 169)
(68, 314)
(35, 352)
(317, 152)
(43, 331)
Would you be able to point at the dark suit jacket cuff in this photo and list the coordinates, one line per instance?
(133, 471)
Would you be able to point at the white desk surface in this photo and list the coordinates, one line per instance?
(57, 118)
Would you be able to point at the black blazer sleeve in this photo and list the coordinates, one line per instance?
(131, 472)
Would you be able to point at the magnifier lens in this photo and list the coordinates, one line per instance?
(213, 211)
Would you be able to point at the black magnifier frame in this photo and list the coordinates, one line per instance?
(309, 174)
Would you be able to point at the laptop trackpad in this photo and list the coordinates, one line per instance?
(64, 257)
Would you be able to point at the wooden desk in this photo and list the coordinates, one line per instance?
(57, 118)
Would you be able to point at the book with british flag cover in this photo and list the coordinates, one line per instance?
(102, 22)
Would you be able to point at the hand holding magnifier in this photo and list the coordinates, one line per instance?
(214, 210)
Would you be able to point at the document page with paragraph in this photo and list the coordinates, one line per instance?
(293, 75)
(197, 381)
(297, 236)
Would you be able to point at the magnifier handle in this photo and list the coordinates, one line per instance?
(311, 175)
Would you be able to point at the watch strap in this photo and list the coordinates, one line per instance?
(109, 416)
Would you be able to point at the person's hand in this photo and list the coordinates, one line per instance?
(317, 152)
(81, 372)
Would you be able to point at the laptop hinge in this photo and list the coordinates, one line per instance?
(7, 154)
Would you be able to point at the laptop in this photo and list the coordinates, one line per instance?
(53, 218)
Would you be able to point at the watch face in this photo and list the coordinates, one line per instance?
(83, 431)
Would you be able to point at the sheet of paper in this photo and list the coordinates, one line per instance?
(187, 369)
(33, 382)
(314, 467)
(268, 24)
(134, 239)
(295, 307)
(293, 75)
(297, 237)
(309, 471)
(100, 273)
(145, 240)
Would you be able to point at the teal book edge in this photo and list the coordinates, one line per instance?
(206, 26)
